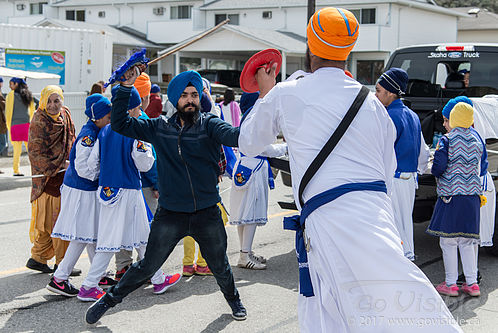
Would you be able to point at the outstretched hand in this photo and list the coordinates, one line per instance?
(266, 79)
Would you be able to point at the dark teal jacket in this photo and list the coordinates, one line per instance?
(187, 158)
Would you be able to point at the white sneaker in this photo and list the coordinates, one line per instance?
(257, 258)
(245, 261)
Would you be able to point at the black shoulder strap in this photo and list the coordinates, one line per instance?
(332, 142)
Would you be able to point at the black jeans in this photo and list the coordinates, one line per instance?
(167, 229)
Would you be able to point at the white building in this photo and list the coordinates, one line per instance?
(479, 25)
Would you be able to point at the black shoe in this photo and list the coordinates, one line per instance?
(38, 266)
(97, 310)
(63, 288)
(461, 278)
(119, 274)
(107, 282)
(18, 175)
(74, 272)
(238, 310)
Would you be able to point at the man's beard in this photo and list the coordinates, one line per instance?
(189, 117)
(307, 61)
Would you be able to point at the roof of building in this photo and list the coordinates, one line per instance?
(255, 4)
(120, 37)
(284, 41)
(74, 3)
(483, 20)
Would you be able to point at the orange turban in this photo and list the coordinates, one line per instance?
(332, 33)
(142, 83)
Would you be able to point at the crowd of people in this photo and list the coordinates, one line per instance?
(133, 179)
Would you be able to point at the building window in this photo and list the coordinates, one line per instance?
(36, 8)
(234, 18)
(158, 11)
(364, 15)
(102, 14)
(267, 15)
(181, 12)
(368, 71)
(75, 15)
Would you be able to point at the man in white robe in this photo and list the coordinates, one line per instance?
(360, 278)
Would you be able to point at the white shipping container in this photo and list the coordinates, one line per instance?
(88, 53)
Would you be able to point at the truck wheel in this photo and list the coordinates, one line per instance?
(493, 250)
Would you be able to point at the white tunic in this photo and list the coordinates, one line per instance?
(362, 281)
(78, 218)
(123, 222)
(249, 203)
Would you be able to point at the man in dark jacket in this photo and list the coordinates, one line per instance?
(188, 150)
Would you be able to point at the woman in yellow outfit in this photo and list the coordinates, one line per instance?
(19, 109)
(51, 135)
(201, 267)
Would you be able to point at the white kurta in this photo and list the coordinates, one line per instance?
(249, 203)
(79, 215)
(361, 279)
(403, 199)
(123, 222)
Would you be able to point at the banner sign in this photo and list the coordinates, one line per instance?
(53, 62)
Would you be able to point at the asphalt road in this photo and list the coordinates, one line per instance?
(195, 304)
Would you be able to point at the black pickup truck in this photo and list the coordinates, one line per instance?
(438, 73)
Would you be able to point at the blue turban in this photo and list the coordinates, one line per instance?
(1, 79)
(394, 80)
(205, 103)
(17, 80)
(97, 106)
(134, 100)
(247, 101)
(177, 86)
(454, 101)
(155, 89)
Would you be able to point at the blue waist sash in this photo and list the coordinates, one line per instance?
(297, 223)
(271, 180)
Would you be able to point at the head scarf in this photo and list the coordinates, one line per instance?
(462, 115)
(177, 86)
(155, 89)
(247, 101)
(205, 103)
(46, 93)
(142, 83)
(206, 84)
(394, 80)
(332, 33)
(97, 106)
(452, 102)
(134, 100)
(17, 80)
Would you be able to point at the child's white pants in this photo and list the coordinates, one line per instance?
(466, 246)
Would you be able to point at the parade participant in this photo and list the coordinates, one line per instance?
(352, 255)
(487, 212)
(19, 109)
(249, 195)
(188, 151)
(3, 128)
(149, 179)
(412, 154)
(123, 222)
(51, 136)
(78, 218)
(230, 109)
(155, 108)
(459, 162)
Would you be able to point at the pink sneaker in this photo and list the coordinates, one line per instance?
(169, 281)
(443, 289)
(472, 290)
(188, 270)
(203, 271)
(90, 295)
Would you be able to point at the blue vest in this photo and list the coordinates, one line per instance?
(408, 131)
(117, 168)
(88, 136)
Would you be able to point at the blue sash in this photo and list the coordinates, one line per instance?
(296, 223)
(271, 180)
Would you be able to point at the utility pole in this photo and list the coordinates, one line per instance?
(311, 9)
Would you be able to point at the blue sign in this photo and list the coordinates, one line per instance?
(53, 62)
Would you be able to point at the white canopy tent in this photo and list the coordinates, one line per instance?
(36, 80)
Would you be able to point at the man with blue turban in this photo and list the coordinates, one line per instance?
(412, 154)
(188, 150)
